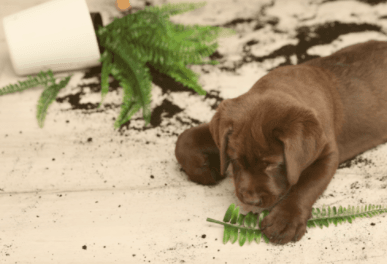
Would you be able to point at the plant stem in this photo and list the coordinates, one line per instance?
(230, 225)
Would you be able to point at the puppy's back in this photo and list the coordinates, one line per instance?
(361, 80)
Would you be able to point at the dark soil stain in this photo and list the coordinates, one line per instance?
(166, 109)
(167, 83)
(233, 23)
(358, 160)
(325, 34)
(93, 72)
(216, 56)
(74, 101)
(307, 36)
(355, 185)
(372, 2)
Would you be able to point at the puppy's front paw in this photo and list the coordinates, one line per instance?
(198, 155)
(206, 176)
(285, 224)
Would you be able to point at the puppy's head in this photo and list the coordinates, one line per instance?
(269, 142)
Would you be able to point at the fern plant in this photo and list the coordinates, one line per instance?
(51, 90)
(131, 43)
(149, 38)
(242, 227)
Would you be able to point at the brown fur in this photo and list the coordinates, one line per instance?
(287, 135)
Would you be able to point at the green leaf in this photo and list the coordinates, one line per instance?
(257, 236)
(325, 222)
(43, 78)
(310, 224)
(233, 235)
(318, 212)
(319, 223)
(244, 234)
(323, 212)
(148, 36)
(230, 210)
(265, 238)
(242, 237)
(138, 90)
(226, 234)
(47, 97)
(262, 215)
(249, 220)
(240, 219)
(234, 216)
(183, 75)
(106, 69)
(334, 211)
(175, 9)
(250, 235)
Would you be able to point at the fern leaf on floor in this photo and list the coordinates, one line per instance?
(47, 97)
(242, 227)
(42, 78)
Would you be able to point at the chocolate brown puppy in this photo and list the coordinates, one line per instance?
(287, 135)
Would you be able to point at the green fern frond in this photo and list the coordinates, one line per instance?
(175, 9)
(47, 97)
(137, 87)
(198, 33)
(42, 78)
(129, 105)
(106, 60)
(183, 75)
(148, 36)
(196, 55)
(326, 215)
(138, 24)
(131, 42)
(242, 227)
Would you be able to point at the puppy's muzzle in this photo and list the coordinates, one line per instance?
(249, 197)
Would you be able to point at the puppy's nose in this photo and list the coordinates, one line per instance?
(251, 198)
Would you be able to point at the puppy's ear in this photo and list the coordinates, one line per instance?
(303, 139)
(221, 129)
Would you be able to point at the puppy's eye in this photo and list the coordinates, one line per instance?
(271, 166)
(265, 164)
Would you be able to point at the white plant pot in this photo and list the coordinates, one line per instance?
(57, 35)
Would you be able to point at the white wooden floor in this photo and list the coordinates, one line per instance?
(78, 191)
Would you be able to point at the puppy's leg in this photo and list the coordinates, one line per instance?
(287, 221)
(198, 155)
